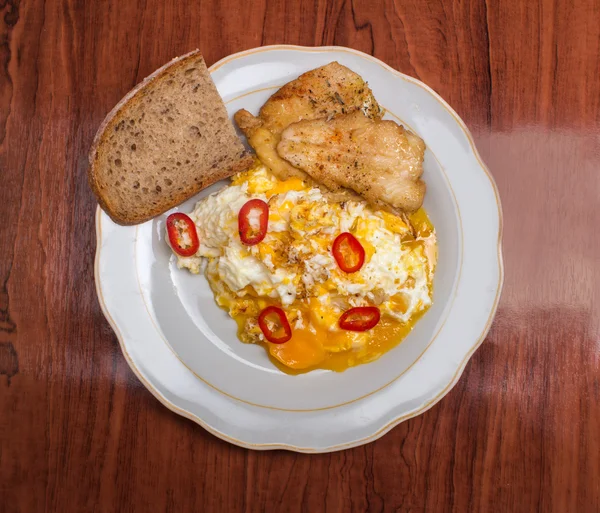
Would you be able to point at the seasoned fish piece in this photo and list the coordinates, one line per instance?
(323, 92)
(380, 160)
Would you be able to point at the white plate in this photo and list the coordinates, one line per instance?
(185, 350)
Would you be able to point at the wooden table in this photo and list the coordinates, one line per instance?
(521, 430)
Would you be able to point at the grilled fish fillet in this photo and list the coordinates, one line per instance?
(379, 160)
(320, 93)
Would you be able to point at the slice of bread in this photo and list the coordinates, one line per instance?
(166, 140)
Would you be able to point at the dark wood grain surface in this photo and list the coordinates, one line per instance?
(521, 430)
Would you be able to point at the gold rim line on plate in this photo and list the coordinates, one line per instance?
(448, 308)
(396, 420)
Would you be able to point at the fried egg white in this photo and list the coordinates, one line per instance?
(293, 267)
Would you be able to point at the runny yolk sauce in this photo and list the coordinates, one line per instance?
(333, 350)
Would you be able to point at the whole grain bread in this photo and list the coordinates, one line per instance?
(166, 140)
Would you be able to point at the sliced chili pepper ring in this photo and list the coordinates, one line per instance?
(182, 233)
(274, 324)
(360, 318)
(253, 220)
(348, 252)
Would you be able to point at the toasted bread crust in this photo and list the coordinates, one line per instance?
(237, 159)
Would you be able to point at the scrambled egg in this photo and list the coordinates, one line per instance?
(293, 267)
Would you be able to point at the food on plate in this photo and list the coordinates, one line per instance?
(253, 221)
(320, 251)
(378, 159)
(348, 252)
(322, 92)
(360, 318)
(274, 325)
(328, 285)
(182, 236)
(169, 138)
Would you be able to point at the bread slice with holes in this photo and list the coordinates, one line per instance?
(166, 140)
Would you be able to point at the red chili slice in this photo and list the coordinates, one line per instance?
(361, 318)
(253, 220)
(348, 252)
(183, 236)
(274, 325)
